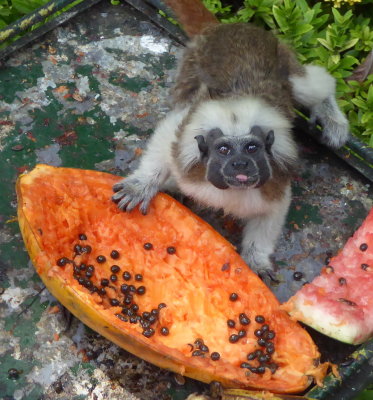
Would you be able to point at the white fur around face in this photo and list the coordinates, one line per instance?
(236, 117)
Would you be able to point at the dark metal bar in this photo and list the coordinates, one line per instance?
(40, 14)
(147, 8)
(48, 26)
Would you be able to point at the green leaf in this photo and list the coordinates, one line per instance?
(370, 97)
(325, 43)
(337, 16)
(302, 29)
(27, 6)
(368, 116)
(349, 44)
(335, 58)
(360, 104)
(280, 18)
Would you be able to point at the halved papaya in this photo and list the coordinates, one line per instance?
(164, 286)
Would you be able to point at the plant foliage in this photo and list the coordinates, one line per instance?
(338, 39)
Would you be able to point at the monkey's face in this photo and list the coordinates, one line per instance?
(236, 161)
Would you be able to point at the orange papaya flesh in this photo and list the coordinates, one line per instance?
(188, 273)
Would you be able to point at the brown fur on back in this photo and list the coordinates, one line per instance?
(235, 60)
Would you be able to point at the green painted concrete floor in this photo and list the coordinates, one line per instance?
(88, 95)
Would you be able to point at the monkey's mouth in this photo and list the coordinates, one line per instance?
(242, 180)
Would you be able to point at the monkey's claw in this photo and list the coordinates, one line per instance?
(130, 193)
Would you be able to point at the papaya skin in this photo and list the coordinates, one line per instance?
(79, 302)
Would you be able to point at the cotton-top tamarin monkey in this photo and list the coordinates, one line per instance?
(227, 142)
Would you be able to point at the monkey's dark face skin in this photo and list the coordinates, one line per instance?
(236, 162)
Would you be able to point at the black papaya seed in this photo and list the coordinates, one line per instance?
(363, 247)
(197, 353)
(262, 342)
(114, 254)
(61, 262)
(364, 266)
(269, 335)
(171, 250)
(342, 281)
(114, 302)
(124, 288)
(260, 370)
(297, 276)
(155, 312)
(141, 290)
(251, 356)
(82, 236)
(161, 305)
(258, 332)
(115, 269)
(204, 348)
(138, 277)
(126, 276)
(260, 319)
(113, 278)
(100, 259)
(215, 356)
(87, 249)
(265, 328)
(148, 246)
(234, 338)
(105, 282)
(264, 358)
(244, 319)
(231, 323)
(233, 297)
(148, 332)
(242, 333)
(245, 365)
(164, 331)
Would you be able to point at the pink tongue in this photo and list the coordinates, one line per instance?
(242, 178)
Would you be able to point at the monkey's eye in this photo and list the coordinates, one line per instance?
(224, 149)
(251, 148)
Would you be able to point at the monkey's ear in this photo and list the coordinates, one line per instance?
(269, 140)
(202, 145)
(257, 131)
(213, 135)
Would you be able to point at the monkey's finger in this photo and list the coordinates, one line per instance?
(118, 196)
(124, 203)
(133, 203)
(144, 207)
(118, 186)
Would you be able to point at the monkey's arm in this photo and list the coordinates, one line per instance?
(142, 185)
(261, 233)
(315, 89)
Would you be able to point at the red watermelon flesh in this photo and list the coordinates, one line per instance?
(339, 302)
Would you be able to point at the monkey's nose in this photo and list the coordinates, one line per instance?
(239, 165)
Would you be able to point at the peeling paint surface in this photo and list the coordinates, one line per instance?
(88, 95)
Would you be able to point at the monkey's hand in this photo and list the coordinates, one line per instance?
(334, 124)
(132, 192)
(262, 268)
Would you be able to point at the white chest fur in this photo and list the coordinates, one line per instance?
(241, 203)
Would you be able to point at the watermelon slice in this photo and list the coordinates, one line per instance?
(339, 302)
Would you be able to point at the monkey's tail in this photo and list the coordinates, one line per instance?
(193, 16)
